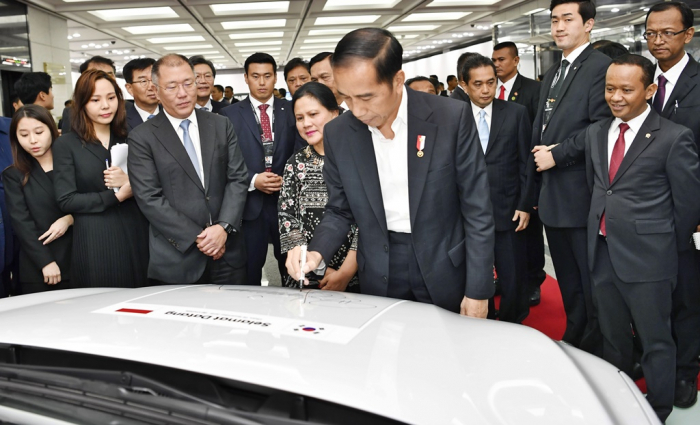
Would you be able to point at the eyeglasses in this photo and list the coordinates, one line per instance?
(208, 77)
(172, 87)
(665, 35)
(142, 83)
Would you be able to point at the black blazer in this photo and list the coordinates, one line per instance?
(216, 107)
(133, 119)
(563, 201)
(506, 162)
(460, 94)
(247, 130)
(33, 209)
(651, 207)
(170, 194)
(526, 92)
(448, 194)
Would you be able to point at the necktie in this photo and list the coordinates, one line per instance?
(204, 108)
(618, 154)
(265, 122)
(483, 129)
(189, 146)
(150, 116)
(660, 95)
(502, 94)
(554, 90)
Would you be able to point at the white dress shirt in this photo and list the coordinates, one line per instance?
(193, 130)
(207, 105)
(614, 131)
(270, 110)
(508, 85)
(145, 114)
(476, 111)
(392, 164)
(672, 76)
(573, 56)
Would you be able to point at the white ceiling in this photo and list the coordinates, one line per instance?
(228, 31)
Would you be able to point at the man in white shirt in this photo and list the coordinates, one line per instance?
(407, 167)
(137, 74)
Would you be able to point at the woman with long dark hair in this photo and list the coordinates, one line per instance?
(43, 230)
(304, 193)
(110, 240)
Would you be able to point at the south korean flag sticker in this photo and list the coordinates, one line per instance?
(308, 330)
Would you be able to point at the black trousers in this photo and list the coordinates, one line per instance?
(685, 316)
(648, 304)
(510, 258)
(405, 279)
(258, 234)
(534, 234)
(569, 250)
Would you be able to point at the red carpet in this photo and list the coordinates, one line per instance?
(550, 319)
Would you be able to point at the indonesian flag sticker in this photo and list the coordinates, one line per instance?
(133, 310)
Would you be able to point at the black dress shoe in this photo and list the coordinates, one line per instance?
(535, 297)
(686, 393)
(637, 372)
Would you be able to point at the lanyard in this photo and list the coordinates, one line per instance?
(257, 120)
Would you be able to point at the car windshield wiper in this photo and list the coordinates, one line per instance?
(118, 393)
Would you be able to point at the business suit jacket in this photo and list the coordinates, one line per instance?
(526, 92)
(133, 119)
(448, 195)
(34, 209)
(216, 107)
(65, 121)
(562, 203)
(651, 207)
(460, 94)
(6, 234)
(247, 130)
(506, 158)
(170, 193)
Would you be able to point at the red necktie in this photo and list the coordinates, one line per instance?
(618, 154)
(502, 94)
(265, 122)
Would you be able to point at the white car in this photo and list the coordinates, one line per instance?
(263, 355)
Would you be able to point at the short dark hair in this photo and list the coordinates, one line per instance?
(318, 91)
(450, 78)
(612, 49)
(319, 58)
(31, 84)
(172, 59)
(283, 91)
(460, 61)
(685, 10)
(136, 65)
(507, 45)
(229, 87)
(67, 102)
(260, 58)
(648, 68)
(435, 77)
(422, 78)
(376, 44)
(97, 59)
(219, 87)
(586, 8)
(200, 60)
(295, 63)
(474, 62)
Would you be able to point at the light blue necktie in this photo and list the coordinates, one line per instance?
(204, 108)
(150, 117)
(483, 128)
(189, 146)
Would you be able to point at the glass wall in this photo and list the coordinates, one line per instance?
(15, 57)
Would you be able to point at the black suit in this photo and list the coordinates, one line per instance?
(686, 296)
(133, 118)
(170, 194)
(260, 224)
(460, 94)
(651, 209)
(506, 158)
(65, 121)
(452, 230)
(563, 200)
(33, 209)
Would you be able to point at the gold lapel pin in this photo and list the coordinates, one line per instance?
(648, 135)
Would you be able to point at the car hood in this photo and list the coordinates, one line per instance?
(409, 361)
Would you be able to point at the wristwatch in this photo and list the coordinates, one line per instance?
(227, 227)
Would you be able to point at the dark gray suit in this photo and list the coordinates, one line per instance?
(651, 208)
(171, 196)
(452, 230)
(526, 92)
(459, 94)
(133, 118)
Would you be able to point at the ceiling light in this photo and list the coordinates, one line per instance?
(317, 47)
(321, 40)
(330, 32)
(267, 49)
(411, 28)
(75, 34)
(462, 3)
(92, 45)
(215, 57)
(140, 13)
(84, 46)
(198, 46)
(186, 39)
(256, 35)
(265, 23)
(158, 29)
(105, 44)
(249, 8)
(365, 4)
(259, 43)
(533, 11)
(70, 37)
(441, 16)
(342, 20)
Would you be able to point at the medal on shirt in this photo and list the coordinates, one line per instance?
(420, 145)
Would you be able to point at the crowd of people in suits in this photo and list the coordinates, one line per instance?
(395, 190)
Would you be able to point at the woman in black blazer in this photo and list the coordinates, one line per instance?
(110, 236)
(43, 230)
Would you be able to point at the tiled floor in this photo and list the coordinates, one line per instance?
(689, 416)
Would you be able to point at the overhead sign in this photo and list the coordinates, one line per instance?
(12, 61)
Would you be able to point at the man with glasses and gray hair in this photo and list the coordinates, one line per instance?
(669, 27)
(137, 74)
(189, 179)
